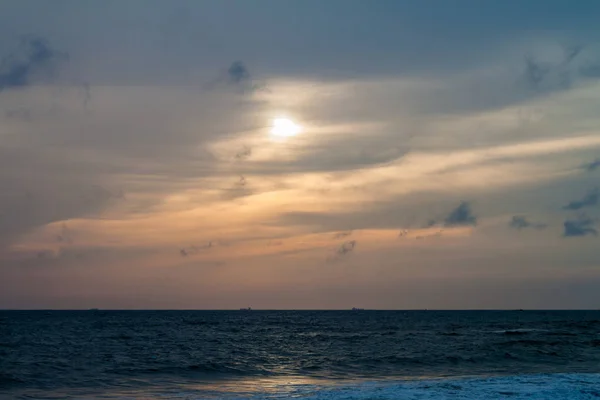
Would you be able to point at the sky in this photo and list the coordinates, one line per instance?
(442, 154)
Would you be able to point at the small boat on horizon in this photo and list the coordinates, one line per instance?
(246, 309)
(357, 309)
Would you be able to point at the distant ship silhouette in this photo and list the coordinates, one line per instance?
(357, 309)
(246, 309)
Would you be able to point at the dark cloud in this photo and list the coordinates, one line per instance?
(237, 77)
(591, 166)
(589, 200)
(184, 252)
(244, 153)
(238, 73)
(461, 215)
(346, 247)
(520, 222)
(582, 226)
(343, 251)
(34, 56)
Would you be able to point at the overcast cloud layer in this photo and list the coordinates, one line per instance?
(448, 157)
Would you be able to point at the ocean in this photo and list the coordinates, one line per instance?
(299, 354)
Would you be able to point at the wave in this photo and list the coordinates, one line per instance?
(520, 331)
(515, 387)
(533, 387)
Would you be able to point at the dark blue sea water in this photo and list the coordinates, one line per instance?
(307, 354)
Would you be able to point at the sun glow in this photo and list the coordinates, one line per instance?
(284, 128)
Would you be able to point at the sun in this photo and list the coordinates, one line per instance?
(284, 128)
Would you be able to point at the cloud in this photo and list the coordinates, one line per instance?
(520, 222)
(31, 202)
(238, 73)
(591, 166)
(242, 181)
(19, 68)
(238, 77)
(244, 153)
(346, 247)
(406, 137)
(461, 215)
(240, 188)
(186, 251)
(535, 72)
(552, 75)
(582, 226)
(67, 163)
(589, 200)
(65, 235)
(342, 251)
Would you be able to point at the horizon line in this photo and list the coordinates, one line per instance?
(299, 309)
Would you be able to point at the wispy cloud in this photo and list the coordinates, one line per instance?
(581, 226)
(464, 133)
(521, 222)
(589, 200)
(552, 75)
